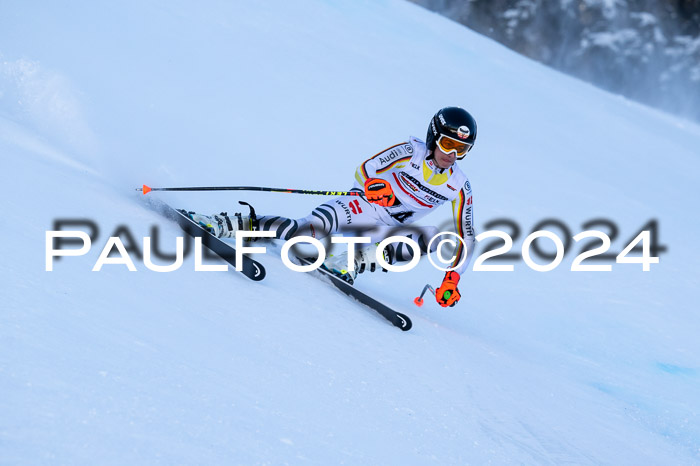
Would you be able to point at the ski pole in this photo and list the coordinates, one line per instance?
(419, 300)
(147, 189)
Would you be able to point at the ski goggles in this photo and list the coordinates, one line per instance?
(447, 144)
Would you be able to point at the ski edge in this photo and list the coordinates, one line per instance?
(397, 319)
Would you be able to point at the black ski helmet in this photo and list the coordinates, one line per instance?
(455, 123)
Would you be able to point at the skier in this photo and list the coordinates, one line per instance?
(400, 185)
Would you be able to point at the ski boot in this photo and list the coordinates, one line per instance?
(365, 260)
(224, 226)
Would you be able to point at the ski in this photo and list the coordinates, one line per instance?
(397, 319)
(251, 268)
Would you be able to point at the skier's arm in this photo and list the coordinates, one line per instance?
(377, 165)
(447, 294)
(462, 210)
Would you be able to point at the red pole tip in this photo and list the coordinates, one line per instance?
(146, 189)
(418, 301)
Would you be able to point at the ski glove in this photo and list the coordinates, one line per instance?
(447, 294)
(379, 192)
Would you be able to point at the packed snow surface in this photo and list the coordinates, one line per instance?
(123, 367)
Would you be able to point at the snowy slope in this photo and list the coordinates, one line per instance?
(118, 366)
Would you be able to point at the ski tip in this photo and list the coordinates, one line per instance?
(146, 189)
(404, 323)
(418, 301)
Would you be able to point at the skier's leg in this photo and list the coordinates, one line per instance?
(223, 225)
(399, 251)
(402, 252)
(343, 214)
(347, 215)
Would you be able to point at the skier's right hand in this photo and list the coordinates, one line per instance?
(379, 192)
(447, 294)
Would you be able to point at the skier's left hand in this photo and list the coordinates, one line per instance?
(447, 294)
